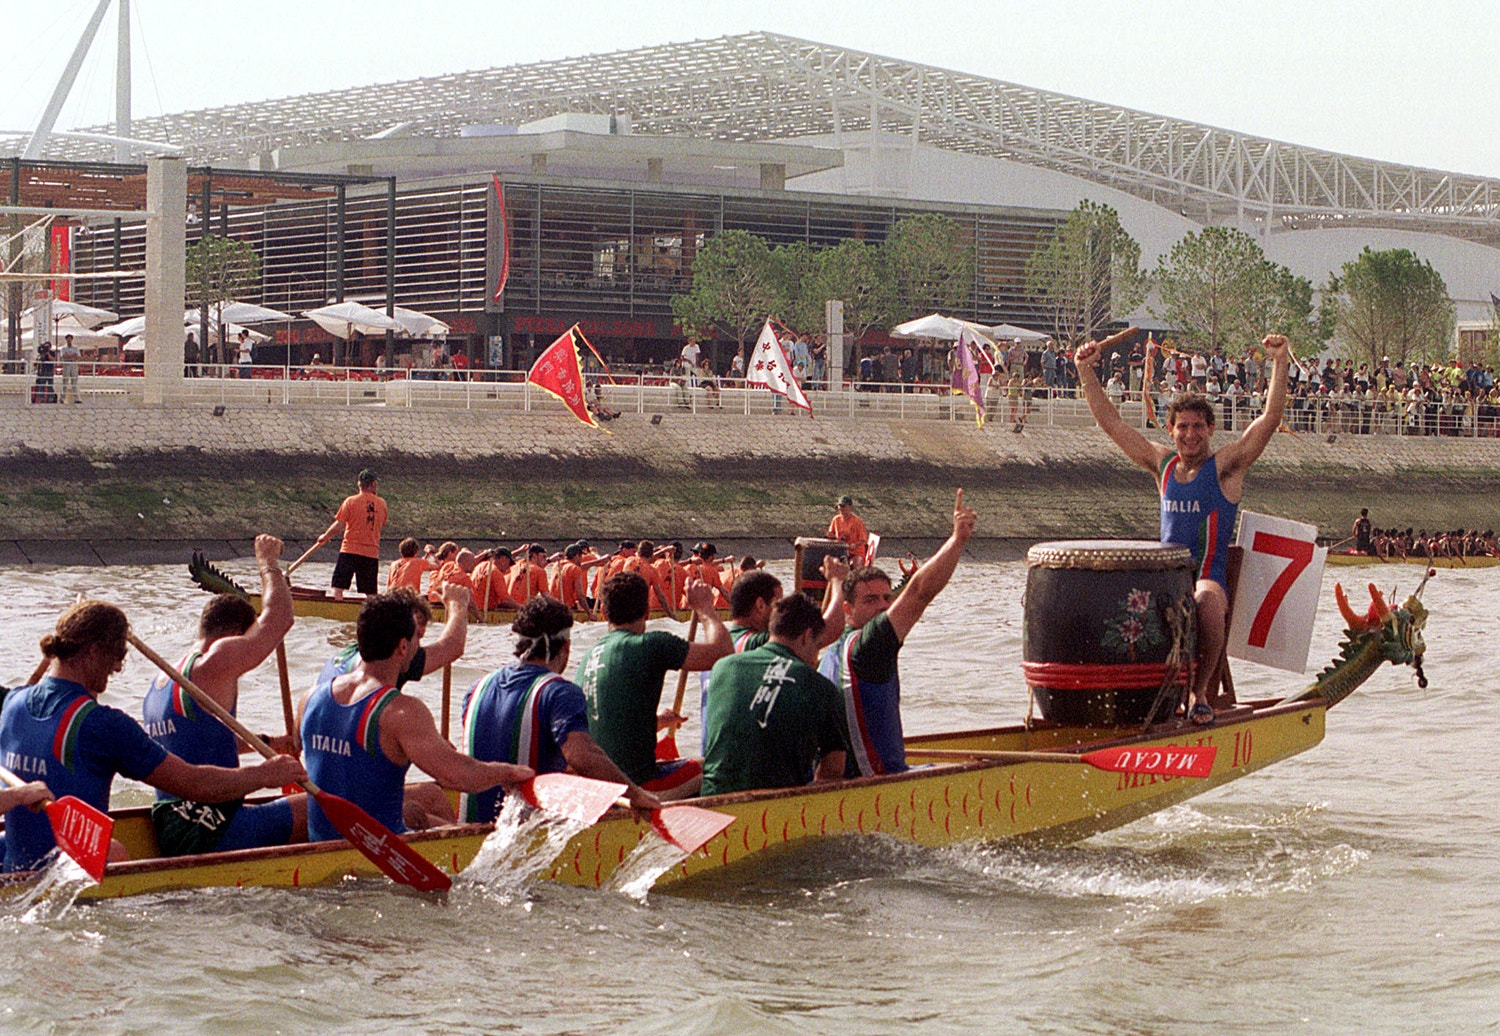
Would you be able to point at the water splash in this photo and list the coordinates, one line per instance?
(649, 860)
(524, 843)
(52, 894)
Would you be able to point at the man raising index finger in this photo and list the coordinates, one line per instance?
(1200, 491)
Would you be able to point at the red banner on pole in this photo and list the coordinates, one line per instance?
(558, 372)
(62, 261)
(504, 239)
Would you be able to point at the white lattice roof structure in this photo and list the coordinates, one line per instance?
(768, 87)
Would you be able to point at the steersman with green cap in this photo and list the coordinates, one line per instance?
(848, 527)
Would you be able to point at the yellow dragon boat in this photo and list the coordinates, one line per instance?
(970, 798)
(1349, 558)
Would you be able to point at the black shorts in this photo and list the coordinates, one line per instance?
(364, 571)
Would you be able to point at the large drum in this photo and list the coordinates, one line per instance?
(809, 554)
(1101, 617)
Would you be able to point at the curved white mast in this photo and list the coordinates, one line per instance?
(43, 129)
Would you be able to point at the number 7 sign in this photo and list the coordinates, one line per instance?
(1277, 597)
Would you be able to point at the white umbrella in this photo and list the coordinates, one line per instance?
(1012, 332)
(240, 313)
(935, 325)
(190, 322)
(83, 338)
(342, 319)
(87, 317)
(420, 325)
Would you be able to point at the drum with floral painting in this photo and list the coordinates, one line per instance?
(1103, 620)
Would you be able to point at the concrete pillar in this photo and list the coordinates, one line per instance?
(833, 312)
(772, 176)
(166, 275)
(653, 170)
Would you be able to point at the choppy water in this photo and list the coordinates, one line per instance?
(1352, 888)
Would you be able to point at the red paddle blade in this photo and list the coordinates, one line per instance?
(1168, 761)
(382, 846)
(689, 828)
(579, 798)
(82, 832)
(666, 747)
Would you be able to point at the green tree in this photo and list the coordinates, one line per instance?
(856, 274)
(1390, 303)
(1221, 293)
(733, 290)
(1088, 272)
(931, 259)
(1283, 304)
(790, 266)
(220, 269)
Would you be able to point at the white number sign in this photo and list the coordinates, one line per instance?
(1277, 596)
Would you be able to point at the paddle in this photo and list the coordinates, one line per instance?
(447, 700)
(1170, 761)
(309, 552)
(689, 828)
(666, 745)
(81, 830)
(382, 846)
(579, 798)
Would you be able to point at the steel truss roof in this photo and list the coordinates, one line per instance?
(764, 86)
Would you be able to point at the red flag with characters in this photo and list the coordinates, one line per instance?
(559, 372)
(504, 240)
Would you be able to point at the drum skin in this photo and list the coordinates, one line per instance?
(1099, 626)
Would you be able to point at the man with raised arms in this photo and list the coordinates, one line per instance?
(57, 732)
(622, 677)
(773, 720)
(360, 518)
(1200, 491)
(360, 734)
(232, 640)
(526, 713)
(862, 663)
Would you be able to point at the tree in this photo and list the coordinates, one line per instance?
(1390, 303)
(1283, 304)
(931, 259)
(220, 269)
(790, 266)
(1218, 289)
(858, 275)
(733, 290)
(1088, 272)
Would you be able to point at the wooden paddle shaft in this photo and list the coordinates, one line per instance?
(447, 700)
(995, 757)
(208, 703)
(682, 674)
(40, 671)
(309, 552)
(286, 690)
(1117, 337)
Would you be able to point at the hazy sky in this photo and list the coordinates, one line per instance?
(1411, 82)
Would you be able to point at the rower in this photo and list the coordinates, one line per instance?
(570, 585)
(232, 640)
(1362, 540)
(410, 567)
(454, 572)
(530, 577)
(643, 564)
(360, 517)
(862, 662)
(849, 528)
(531, 694)
(773, 720)
(1197, 513)
(360, 734)
(491, 579)
(622, 677)
(56, 731)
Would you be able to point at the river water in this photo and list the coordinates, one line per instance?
(1354, 887)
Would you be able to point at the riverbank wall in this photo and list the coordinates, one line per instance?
(124, 478)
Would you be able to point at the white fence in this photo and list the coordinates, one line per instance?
(508, 391)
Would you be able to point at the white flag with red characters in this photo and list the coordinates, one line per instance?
(769, 369)
(558, 371)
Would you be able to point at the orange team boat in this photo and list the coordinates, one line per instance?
(990, 784)
(1349, 557)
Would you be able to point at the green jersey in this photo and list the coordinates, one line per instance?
(770, 718)
(621, 677)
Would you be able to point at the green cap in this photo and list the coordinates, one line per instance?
(846, 500)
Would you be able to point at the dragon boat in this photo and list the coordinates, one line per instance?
(1349, 557)
(990, 785)
(313, 603)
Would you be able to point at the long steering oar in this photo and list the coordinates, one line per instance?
(1168, 761)
(666, 745)
(382, 846)
(309, 552)
(81, 830)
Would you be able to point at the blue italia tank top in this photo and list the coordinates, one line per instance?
(179, 725)
(1198, 516)
(342, 753)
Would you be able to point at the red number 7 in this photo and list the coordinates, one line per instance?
(1300, 554)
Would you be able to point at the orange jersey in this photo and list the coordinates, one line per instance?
(708, 572)
(363, 515)
(408, 572)
(603, 572)
(527, 580)
(568, 584)
(852, 531)
(643, 567)
(448, 572)
(491, 587)
(674, 577)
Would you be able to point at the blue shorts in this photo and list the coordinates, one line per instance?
(256, 826)
(674, 774)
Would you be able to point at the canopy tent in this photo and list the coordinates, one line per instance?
(1010, 332)
(190, 322)
(342, 319)
(420, 325)
(87, 341)
(935, 325)
(85, 317)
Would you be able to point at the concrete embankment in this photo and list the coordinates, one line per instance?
(123, 479)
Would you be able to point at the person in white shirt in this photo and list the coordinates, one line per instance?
(689, 357)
